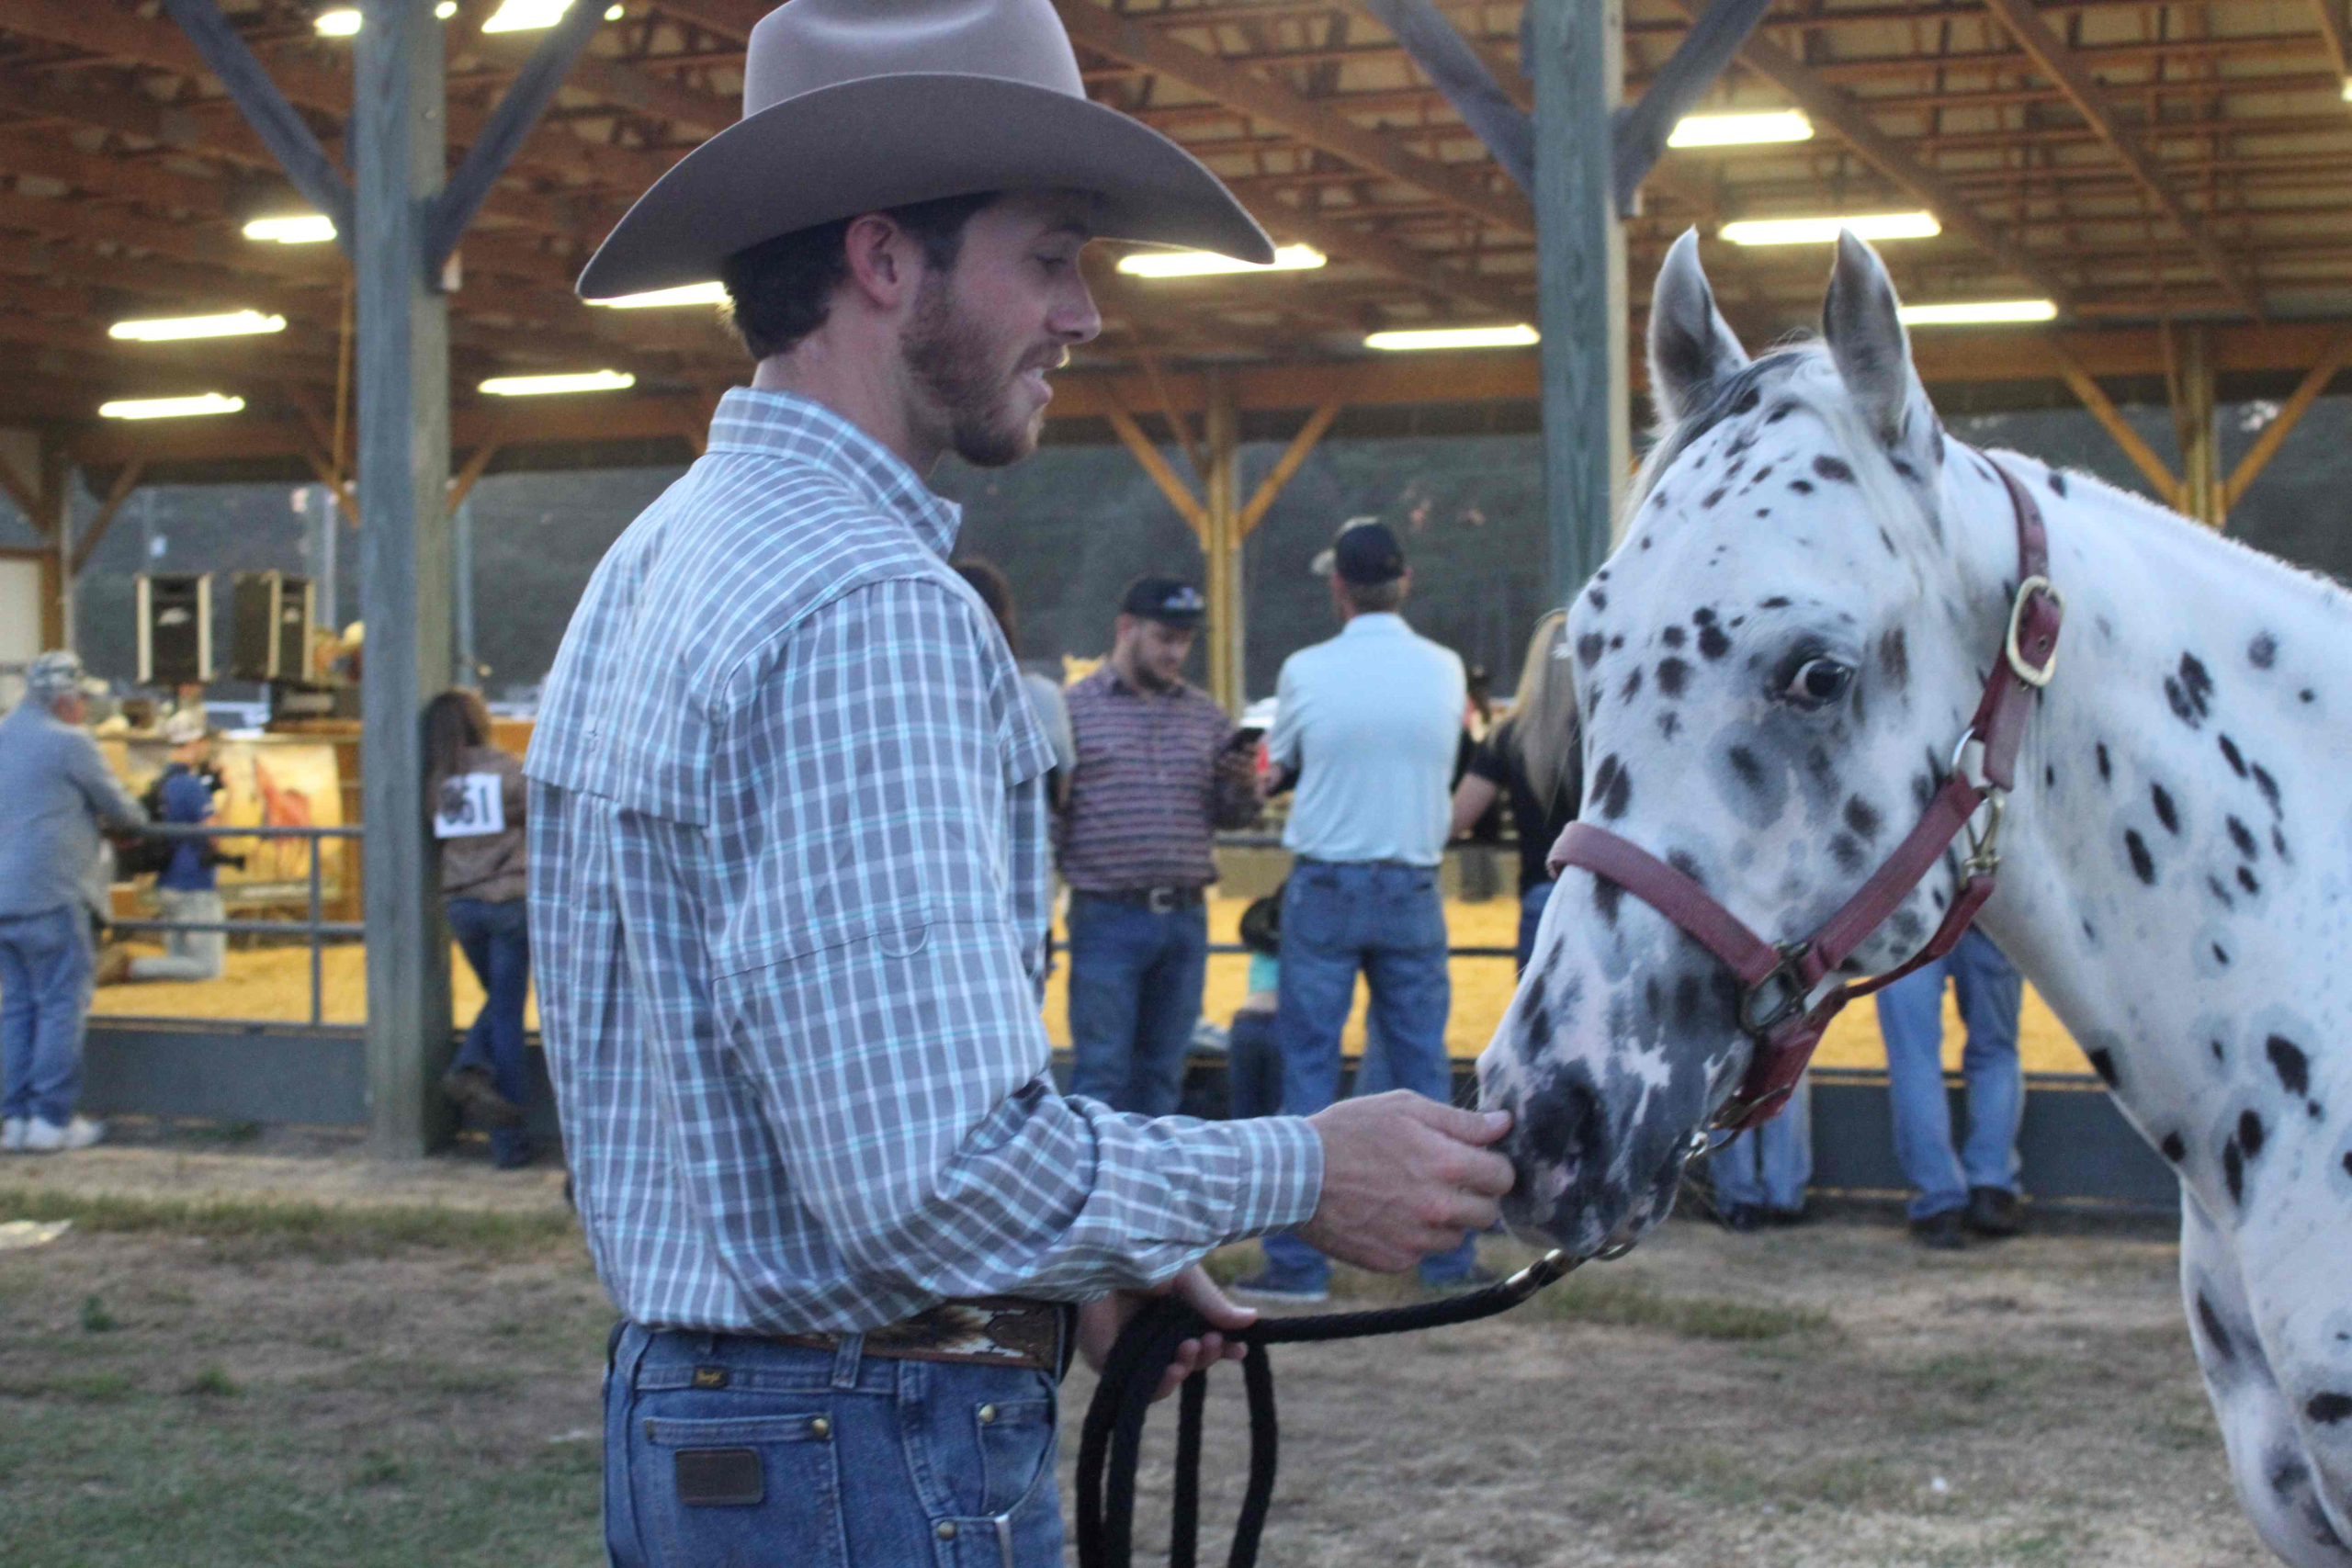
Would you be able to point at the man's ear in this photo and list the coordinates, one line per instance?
(879, 255)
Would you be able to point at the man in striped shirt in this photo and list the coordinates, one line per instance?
(1157, 771)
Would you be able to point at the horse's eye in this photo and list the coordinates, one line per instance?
(1819, 683)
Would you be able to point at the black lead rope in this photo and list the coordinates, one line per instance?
(1113, 1437)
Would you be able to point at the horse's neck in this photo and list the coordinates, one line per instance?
(2178, 852)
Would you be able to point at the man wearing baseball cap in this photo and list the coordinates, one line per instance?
(186, 889)
(1158, 770)
(789, 847)
(55, 792)
(1368, 723)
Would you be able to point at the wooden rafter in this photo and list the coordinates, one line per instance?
(2102, 409)
(1147, 455)
(1285, 468)
(2290, 413)
(126, 479)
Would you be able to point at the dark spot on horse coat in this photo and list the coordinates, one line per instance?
(1862, 817)
(1895, 658)
(2165, 814)
(2305, 694)
(2288, 1060)
(1612, 786)
(2215, 1335)
(1743, 762)
(2243, 837)
(1667, 723)
(2197, 683)
(1606, 897)
(1846, 852)
(2106, 771)
(1888, 540)
(1712, 497)
(2230, 755)
(1588, 647)
(2103, 1064)
(2049, 777)
(1672, 673)
(2183, 708)
(1672, 636)
(1908, 927)
(1803, 487)
(1682, 861)
(1832, 469)
(1760, 475)
(2268, 786)
(2247, 881)
(2175, 1148)
(1713, 643)
(1616, 642)
(2143, 865)
(2219, 956)
(1775, 602)
(2263, 651)
(2279, 844)
(2057, 482)
(1600, 599)
(2250, 1133)
(2213, 885)
(2234, 1170)
(2329, 1407)
(1905, 470)
(2214, 1047)
(1704, 615)
(1633, 686)
(1780, 412)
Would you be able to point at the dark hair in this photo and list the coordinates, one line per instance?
(453, 721)
(1374, 598)
(995, 591)
(780, 290)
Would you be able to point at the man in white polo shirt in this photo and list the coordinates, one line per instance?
(1368, 724)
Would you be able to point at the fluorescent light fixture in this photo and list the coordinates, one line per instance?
(578, 381)
(654, 300)
(1740, 130)
(613, 13)
(170, 408)
(168, 329)
(2347, 89)
(1518, 336)
(1201, 264)
(523, 16)
(1821, 230)
(296, 229)
(444, 11)
(341, 22)
(1975, 313)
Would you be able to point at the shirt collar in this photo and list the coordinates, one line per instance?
(1114, 681)
(1375, 623)
(797, 429)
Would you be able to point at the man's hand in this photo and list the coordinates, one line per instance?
(1099, 1322)
(1404, 1177)
(1237, 771)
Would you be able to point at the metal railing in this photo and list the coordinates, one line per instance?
(315, 928)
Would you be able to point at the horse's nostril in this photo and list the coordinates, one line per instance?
(1562, 1119)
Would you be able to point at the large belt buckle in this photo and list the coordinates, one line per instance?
(1159, 900)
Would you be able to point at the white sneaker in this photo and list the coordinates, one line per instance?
(43, 1138)
(12, 1135)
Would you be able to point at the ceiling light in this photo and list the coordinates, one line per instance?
(1518, 336)
(578, 381)
(167, 329)
(170, 408)
(444, 11)
(1976, 311)
(1821, 231)
(341, 22)
(688, 294)
(522, 16)
(1201, 264)
(613, 13)
(1740, 130)
(296, 229)
(2347, 89)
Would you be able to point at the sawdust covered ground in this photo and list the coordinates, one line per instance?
(274, 983)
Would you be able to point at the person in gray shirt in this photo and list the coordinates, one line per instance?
(55, 791)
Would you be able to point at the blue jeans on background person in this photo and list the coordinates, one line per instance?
(1387, 921)
(1253, 1066)
(1767, 1166)
(765, 1455)
(496, 940)
(45, 968)
(1911, 1018)
(1134, 994)
(1531, 915)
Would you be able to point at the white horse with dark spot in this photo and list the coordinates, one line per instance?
(1775, 668)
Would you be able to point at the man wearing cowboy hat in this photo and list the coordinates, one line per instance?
(789, 847)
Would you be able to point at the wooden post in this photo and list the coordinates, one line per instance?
(1580, 286)
(2200, 474)
(57, 522)
(1221, 542)
(397, 145)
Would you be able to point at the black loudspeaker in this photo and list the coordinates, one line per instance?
(174, 628)
(269, 626)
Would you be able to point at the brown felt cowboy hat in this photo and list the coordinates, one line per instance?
(852, 106)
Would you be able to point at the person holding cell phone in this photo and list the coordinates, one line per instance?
(476, 792)
(1160, 768)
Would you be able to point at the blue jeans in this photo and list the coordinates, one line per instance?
(45, 968)
(496, 940)
(1135, 995)
(1767, 1166)
(1910, 1016)
(1531, 915)
(1389, 921)
(1253, 1066)
(755, 1454)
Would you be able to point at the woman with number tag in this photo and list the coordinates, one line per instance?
(477, 793)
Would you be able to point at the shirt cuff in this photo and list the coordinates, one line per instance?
(1279, 1180)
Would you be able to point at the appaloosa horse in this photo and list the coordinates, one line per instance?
(1777, 669)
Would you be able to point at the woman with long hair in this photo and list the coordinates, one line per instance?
(476, 795)
(1534, 757)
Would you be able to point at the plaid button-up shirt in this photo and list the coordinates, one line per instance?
(789, 896)
(1147, 791)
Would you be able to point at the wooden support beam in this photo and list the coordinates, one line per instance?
(126, 479)
(461, 483)
(285, 133)
(2200, 474)
(2266, 446)
(1677, 88)
(2067, 71)
(25, 494)
(2335, 35)
(1147, 455)
(1461, 187)
(1294, 455)
(1168, 411)
(1221, 542)
(510, 125)
(2102, 409)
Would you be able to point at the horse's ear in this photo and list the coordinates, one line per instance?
(1866, 338)
(1691, 347)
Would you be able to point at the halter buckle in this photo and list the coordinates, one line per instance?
(2029, 674)
(1789, 1001)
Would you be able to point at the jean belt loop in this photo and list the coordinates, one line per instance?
(846, 1358)
(629, 1344)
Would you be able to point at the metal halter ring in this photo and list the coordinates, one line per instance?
(2024, 671)
(1791, 1001)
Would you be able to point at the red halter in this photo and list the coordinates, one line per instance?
(1776, 978)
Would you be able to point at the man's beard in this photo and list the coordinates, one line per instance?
(950, 358)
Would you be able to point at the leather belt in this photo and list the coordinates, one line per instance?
(1158, 900)
(986, 1331)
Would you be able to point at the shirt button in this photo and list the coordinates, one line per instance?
(820, 1428)
(946, 1530)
